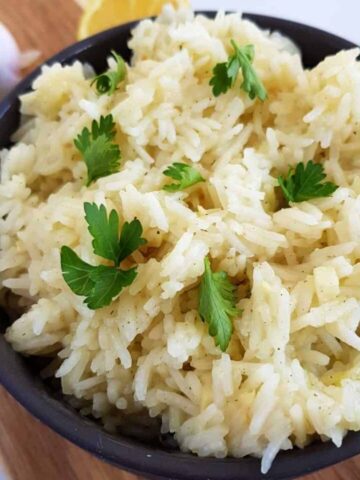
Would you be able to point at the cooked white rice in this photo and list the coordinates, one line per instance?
(292, 369)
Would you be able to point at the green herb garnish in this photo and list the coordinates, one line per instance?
(108, 82)
(101, 284)
(101, 155)
(225, 74)
(185, 174)
(306, 182)
(217, 305)
(108, 284)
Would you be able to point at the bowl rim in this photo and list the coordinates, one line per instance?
(125, 452)
(79, 46)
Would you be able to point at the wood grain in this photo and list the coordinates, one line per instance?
(32, 451)
(44, 25)
(28, 449)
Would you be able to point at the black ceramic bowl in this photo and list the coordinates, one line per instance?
(141, 453)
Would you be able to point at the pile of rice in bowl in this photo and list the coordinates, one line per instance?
(287, 368)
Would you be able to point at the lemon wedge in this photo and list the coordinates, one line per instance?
(99, 15)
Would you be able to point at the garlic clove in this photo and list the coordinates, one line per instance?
(12, 61)
(28, 58)
(10, 52)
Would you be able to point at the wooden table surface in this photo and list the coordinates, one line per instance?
(28, 449)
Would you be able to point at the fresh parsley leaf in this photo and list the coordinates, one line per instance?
(101, 284)
(106, 126)
(225, 74)
(102, 157)
(130, 239)
(108, 82)
(108, 284)
(185, 174)
(104, 230)
(221, 81)
(217, 305)
(76, 272)
(306, 182)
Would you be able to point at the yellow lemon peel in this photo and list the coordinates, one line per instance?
(99, 15)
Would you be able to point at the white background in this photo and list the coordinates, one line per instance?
(341, 17)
